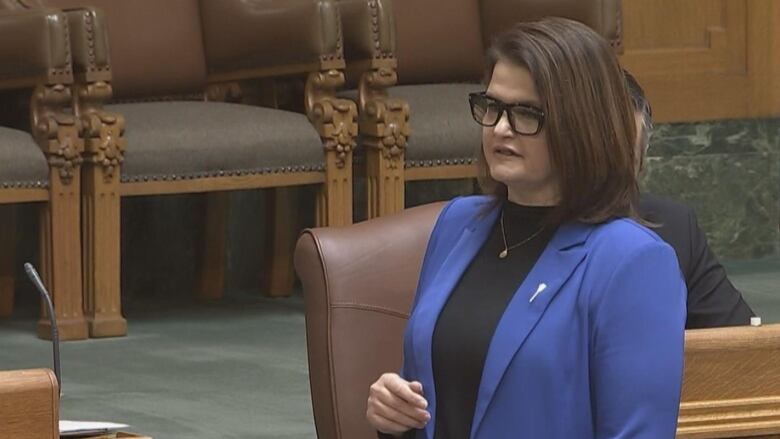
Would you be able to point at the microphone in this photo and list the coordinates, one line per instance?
(55, 336)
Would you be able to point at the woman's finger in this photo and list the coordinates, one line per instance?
(399, 405)
(401, 388)
(400, 417)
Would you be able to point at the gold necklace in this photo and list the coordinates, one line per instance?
(505, 252)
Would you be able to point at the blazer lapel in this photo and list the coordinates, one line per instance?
(554, 267)
(437, 292)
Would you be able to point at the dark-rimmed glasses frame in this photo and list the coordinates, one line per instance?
(481, 102)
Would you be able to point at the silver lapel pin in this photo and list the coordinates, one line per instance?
(542, 286)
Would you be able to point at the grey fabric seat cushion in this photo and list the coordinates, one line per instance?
(171, 140)
(442, 129)
(22, 163)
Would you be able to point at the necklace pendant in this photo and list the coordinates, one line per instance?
(503, 254)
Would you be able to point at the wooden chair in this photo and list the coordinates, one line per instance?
(163, 99)
(40, 158)
(416, 72)
(359, 282)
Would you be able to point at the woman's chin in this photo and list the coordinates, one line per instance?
(506, 176)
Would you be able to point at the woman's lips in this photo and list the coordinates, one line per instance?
(505, 151)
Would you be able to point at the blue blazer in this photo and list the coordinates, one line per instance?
(590, 346)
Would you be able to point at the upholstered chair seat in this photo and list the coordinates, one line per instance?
(185, 140)
(444, 132)
(22, 164)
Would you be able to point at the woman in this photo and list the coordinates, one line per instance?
(544, 310)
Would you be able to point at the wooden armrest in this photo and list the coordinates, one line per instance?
(34, 48)
(29, 401)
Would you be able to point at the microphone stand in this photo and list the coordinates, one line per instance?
(55, 336)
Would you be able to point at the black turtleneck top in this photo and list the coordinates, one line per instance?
(469, 318)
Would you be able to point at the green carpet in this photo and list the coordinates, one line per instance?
(234, 370)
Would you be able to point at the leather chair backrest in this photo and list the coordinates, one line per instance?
(444, 40)
(358, 282)
(438, 41)
(156, 48)
(603, 16)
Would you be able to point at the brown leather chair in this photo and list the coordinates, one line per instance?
(359, 283)
(40, 157)
(164, 92)
(417, 60)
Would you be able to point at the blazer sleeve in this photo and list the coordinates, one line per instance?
(637, 347)
(431, 251)
(712, 299)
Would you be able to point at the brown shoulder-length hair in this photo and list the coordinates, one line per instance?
(589, 119)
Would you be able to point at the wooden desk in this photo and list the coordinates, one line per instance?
(731, 387)
(28, 404)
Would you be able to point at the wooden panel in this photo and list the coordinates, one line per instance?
(8, 196)
(226, 183)
(704, 59)
(440, 172)
(731, 386)
(28, 404)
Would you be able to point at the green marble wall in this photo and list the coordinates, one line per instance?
(729, 171)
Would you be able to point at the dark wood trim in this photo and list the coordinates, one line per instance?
(215, 184)
(446, 172)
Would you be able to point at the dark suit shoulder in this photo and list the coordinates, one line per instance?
(712, 299)
(664, 210)
(672, 221)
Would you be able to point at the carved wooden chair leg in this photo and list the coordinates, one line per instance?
(212, 273)
(281, 231)
(61, 262)
(384, 125)
(334, 200)
(7, 258)
(385, 180)
(335, 120)
(101, 220)
(59, 139)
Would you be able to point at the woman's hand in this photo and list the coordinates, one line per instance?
(396, 405)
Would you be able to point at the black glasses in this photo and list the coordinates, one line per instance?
(525, 120)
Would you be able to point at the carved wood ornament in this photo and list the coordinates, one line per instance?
(384, 119)
(56, 130)
(103, 131)
(335, 119)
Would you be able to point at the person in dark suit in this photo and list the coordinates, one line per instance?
(712, 299)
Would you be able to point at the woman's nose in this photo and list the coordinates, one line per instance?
(503, 127)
